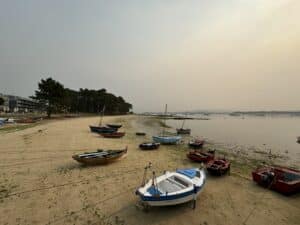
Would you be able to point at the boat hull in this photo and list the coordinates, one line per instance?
(149, 146)
(102, 130)
(113, 135)
(176, 197)
(167, 140)
(183, 131)
(115, 126)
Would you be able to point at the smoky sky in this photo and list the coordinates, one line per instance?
(202, 54)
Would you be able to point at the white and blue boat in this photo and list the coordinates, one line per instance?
(173, 188)
(167, 139)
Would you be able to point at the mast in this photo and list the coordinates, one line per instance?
(165, 117)
(183, 122)
(101, 117)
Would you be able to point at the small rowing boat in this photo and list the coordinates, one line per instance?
(218, 166)
(201, 156)
(196, 144)
(172, 188)
(183, 131)
(113, 135)
(100, 156)
(140, 134)
(149, 146)
(282, 179)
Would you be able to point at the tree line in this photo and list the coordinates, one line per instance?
(53, 97)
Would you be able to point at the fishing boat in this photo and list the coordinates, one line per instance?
(172, 188)
(140, 133)
(218, 166)
(149, 146)
(116, 126)
(166, 139)
(281, 179)
(100, 157)
(201, 156)
(196, 144)
(113, 135)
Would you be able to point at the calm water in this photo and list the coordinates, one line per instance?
(276, 133)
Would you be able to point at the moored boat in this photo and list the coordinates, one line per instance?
(113, 135)
(218, 166)
(100, 157)
(102, 129)
(281, 179)
(172, 188)
(140, 133)
(201, 156)
(196, 144)
(298, 139)
(183, 131)
(116, 126)
(167, 139)
(149, 146)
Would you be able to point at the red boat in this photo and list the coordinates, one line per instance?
(218, 166)
(113, 135)
(281, 179)
(201, 156)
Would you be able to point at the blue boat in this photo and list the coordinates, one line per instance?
(167, 140)
(172, 188)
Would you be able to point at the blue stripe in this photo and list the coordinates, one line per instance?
(170, 197)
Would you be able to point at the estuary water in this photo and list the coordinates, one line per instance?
(278, 133)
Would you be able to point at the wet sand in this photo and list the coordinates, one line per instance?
(41, 184)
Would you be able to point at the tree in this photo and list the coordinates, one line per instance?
(50, 94)
(1, 101)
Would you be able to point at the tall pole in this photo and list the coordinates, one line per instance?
(165, 116)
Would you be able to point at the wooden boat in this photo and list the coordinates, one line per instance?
(116, 126)
(196, 144)
(201, 156)
(113, 135)
(102, 129)
(183, 131)
(149, 146)
(140, 133)
(166, 139)
(218, 166)
(281, 179)
(172, 188)
(100, 157)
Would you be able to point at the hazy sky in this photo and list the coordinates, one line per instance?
(202, 54)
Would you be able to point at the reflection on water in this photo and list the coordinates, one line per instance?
(276, 133)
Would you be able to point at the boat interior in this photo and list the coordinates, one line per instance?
(173, 184)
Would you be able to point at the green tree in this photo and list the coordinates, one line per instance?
(51, 95)
(1, 101)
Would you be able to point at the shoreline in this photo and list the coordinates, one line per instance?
(41, 184)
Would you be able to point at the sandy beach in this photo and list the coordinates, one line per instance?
(41, 184)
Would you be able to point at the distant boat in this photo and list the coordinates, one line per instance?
(149, 146)
(182, 130)
(281, 179)
(100, 157)
(166, 139)
(196, 143)
(113, 135)
(172, 188)
(140, 133)
(102, 129)
(116, 126)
